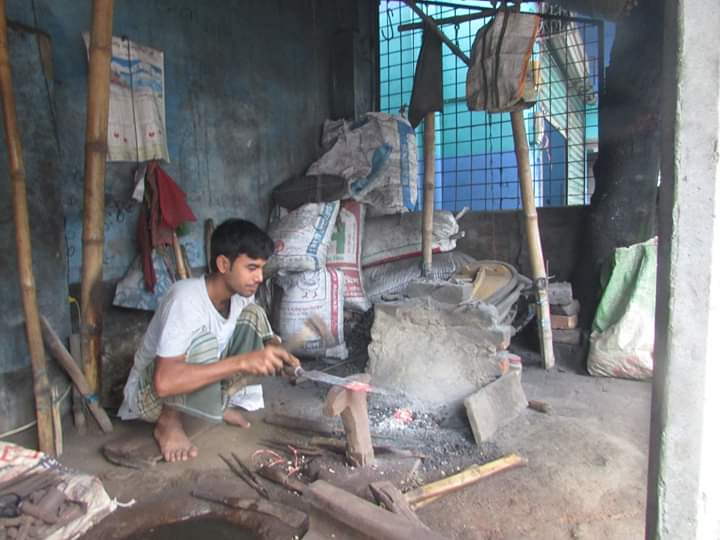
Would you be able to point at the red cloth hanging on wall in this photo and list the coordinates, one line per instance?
(164, 209)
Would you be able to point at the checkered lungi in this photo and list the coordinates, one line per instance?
(251, 332)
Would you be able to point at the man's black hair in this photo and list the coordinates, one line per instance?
(236, 237)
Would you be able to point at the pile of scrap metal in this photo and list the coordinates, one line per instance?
(498, 284)
(494, 283)
(34, 503)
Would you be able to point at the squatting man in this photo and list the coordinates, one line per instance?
(206, 334)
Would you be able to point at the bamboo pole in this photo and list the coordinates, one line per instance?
(98, 105)
(428, 193)
(522, 154)
(41, 389)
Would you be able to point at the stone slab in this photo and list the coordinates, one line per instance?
(495, 405)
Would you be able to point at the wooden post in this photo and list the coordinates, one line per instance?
(352, 408)
(78, 407)
(98, 106)
(428, 193)
(57, 421)
(28, 292)
(179, 259)
(537, 265)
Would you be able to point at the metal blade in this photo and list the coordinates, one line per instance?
(334, 380)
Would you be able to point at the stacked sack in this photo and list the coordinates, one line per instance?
(327, 255)
(316, 267)
(392, 252)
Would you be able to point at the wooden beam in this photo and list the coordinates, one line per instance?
(98, 106)
(434, 28)
(428, 192)
(41, 388)
(363, 516)
(482, 14)
(537, 264)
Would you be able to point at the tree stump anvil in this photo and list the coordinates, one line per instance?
(351, 405)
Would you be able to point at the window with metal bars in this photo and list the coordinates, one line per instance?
(475, 163)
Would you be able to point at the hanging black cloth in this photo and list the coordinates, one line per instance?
(427, 92)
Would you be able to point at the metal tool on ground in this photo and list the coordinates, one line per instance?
(244, 472)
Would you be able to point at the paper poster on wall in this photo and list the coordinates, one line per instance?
(136, 123)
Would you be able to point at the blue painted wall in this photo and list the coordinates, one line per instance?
(246, 92)
(248, 85)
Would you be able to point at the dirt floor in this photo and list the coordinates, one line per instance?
(585, 477)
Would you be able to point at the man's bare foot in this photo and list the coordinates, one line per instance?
(234, 416)
(170, 435)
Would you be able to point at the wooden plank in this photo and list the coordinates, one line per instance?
(78, 407)
(363, 516)
(418, 497)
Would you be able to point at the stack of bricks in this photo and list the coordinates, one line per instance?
(564, 310)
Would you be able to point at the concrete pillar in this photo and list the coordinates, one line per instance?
(684, 478)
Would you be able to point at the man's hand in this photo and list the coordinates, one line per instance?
(268, 361)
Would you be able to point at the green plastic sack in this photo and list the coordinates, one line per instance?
(623, 332)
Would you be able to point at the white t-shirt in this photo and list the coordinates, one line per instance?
(185, 312)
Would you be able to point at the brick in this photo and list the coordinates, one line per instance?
(571, 336)
(560, 293)
(573, 308)
(494, 406)
(563, 322)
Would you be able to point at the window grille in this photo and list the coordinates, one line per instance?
(474, 153)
